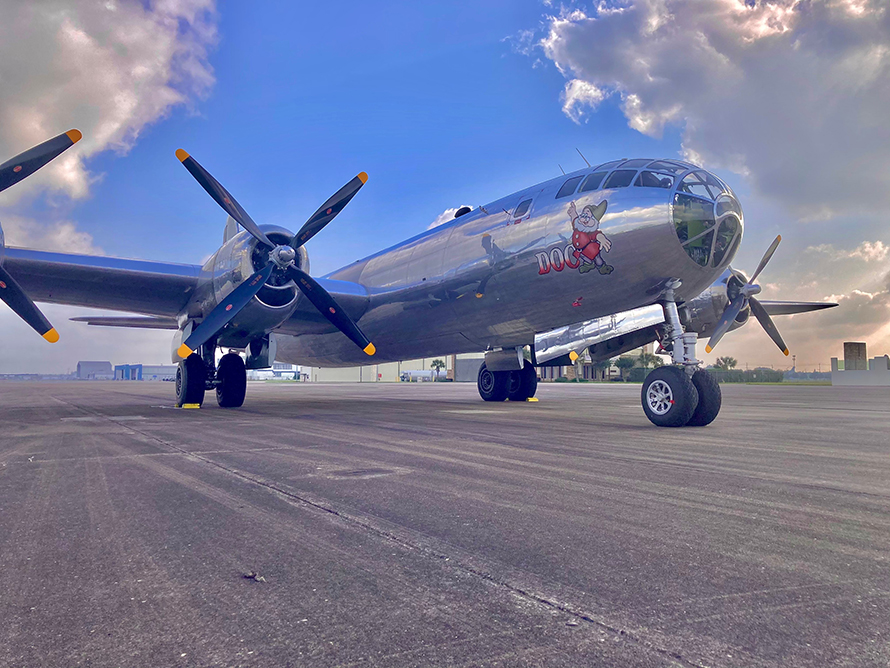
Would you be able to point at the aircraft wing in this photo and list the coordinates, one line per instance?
(157, 289)
(137, 286)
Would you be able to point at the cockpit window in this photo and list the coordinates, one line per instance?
(694, 186)
(692, 217)
(569, 186)
(727, 237)
(716, 186)
(621, 178)
(649, 179)
(592, 182)
(699, 248)
(606, 166)
(667, 166)
(636, 163)
(522, 209)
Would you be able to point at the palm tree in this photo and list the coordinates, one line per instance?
(625, 363)
(438, 365)
(726, 363)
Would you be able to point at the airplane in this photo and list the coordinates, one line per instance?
(607, 258)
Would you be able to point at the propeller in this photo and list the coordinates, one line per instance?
(744, 298)
(281, 258)
(11, 172)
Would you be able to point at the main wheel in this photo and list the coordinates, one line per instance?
(709, 399)
(523, 383)
(669, 397)
(231, 376)
(493, 385)
(191, 377)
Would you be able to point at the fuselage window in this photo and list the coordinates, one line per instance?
(569, 186)
(621, 178)
(653, 180)
(522, 209)
(592, 182)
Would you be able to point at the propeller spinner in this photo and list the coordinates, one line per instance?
(11, 172)
(281, 257)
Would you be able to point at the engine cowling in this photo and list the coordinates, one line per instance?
(702, 313)
(238, 259)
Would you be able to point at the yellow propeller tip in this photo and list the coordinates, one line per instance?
(181, 154)
(74, 135)
(479, 295)
(369, 349)
(779, 237)
(52, 335)
(184, 351)
(708, 349)
(573, 356)
(786, 352)
(363, 177)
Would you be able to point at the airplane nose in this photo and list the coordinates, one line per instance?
(707, 218)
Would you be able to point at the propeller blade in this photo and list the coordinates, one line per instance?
(790, 308)
(768, 324)
(330, 309)
(328, 211)
(227, 309)
(222, 196)
(766, 258)
(729, 314)
(18, 301)
(24, 164)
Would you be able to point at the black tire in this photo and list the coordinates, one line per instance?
(191, 377)
(522, 384)
(493, 385)
(673, 397)
(709, 399)
(231, 376)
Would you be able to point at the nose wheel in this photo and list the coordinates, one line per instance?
(680, 395)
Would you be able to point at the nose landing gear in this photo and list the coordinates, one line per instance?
(681, 395)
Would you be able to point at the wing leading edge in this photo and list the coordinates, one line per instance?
(137, 286)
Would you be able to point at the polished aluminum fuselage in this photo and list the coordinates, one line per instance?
(487, 280)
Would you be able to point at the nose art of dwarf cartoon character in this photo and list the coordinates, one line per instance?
(588, 240)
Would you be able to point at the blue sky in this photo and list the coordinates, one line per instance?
(430, 100)
(445, 104)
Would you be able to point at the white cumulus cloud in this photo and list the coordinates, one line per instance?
(792, 93)
(107, 68)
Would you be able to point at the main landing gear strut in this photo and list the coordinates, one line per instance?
(518, 385)
(196, 374)
(681, 394)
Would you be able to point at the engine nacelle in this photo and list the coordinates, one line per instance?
(702, 313)
(238, 259)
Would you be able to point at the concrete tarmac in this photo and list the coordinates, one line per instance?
(415, 525)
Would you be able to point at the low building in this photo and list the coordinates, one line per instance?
(145, 372)
(94, 371)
